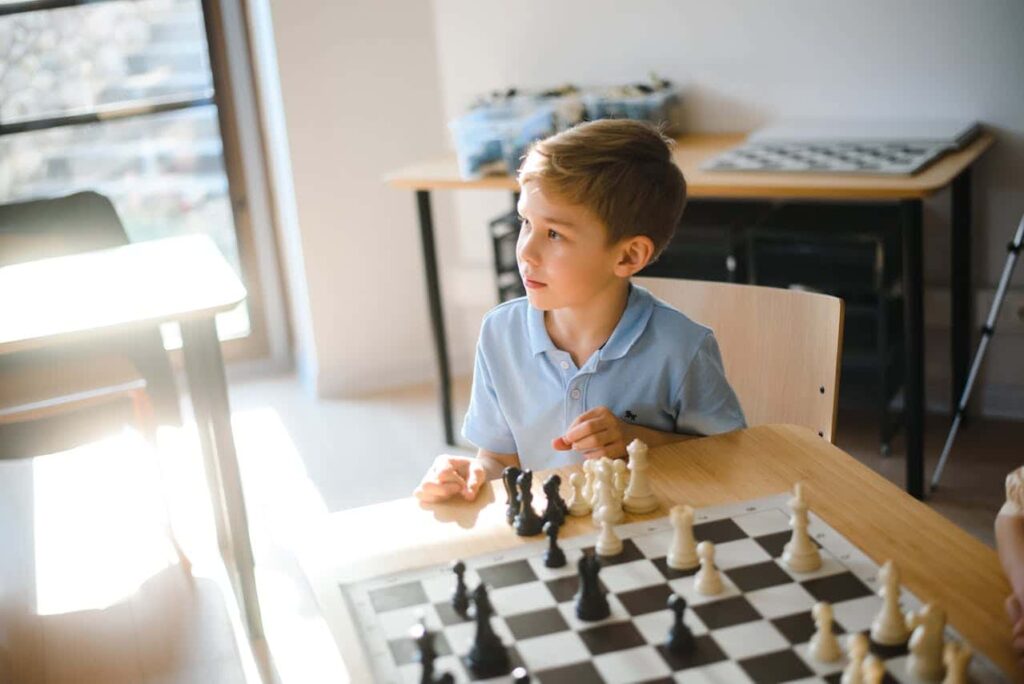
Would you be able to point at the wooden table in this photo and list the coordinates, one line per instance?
(938, 561)
(185, 279)
(953, 170)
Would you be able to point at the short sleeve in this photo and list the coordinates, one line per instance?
(707, 404)
(1014, 493)
(485, 425)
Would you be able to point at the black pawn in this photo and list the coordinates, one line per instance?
(554, 557)
(680, 638)
(520, 676)
(426, 655)
(460, 599)
(487, 657)
(591, 604)
(556, 510)
(509, 476)
(527, 522)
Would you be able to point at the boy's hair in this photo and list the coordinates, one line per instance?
(621, 170)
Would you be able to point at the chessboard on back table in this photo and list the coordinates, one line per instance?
(756, 630)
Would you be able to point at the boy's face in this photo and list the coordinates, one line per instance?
(563, 254)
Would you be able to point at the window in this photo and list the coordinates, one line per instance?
(118, 97)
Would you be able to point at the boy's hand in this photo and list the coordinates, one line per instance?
(595, 434)
(451, 476)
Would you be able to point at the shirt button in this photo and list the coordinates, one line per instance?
(565, 365)
(575, 394)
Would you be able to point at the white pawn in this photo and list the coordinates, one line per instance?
(588, 482)
(800, 554)
(639, 497)
(620, 478)
(608, 543)
(599, 469)
(707, 581)
(873, 671)
(856, 650)
(824, 646)
(956, 657)
(606, 495)
(889, 627)
(926, 643)
(682, 551)
(578, 503)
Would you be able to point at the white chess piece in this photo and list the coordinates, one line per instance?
(856, 650)
(608, 543)
(578, 503)
(599, 468)
(873, 671)
(824, 646)
(588, 482)
(605, 495)
(800, 554)
(957, 658)
(682, 550)
(620, 478)
(708, 581)
(926, 643)
(889, 627)
(639, 497)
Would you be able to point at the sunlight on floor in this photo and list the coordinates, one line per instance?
(98, 524)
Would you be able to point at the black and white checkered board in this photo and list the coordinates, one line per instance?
(898, 159)
(757, 630)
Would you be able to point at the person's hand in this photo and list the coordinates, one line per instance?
(1015, 610)
(451, 476)
(595, 434)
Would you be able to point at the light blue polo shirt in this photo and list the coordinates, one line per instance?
(658, 369)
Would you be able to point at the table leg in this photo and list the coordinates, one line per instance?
(208, 391)
(436, 312)
(960, 287)
(913, 325)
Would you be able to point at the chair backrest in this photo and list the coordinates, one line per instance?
(781, 348)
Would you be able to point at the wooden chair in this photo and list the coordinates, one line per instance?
(781, 348)
(54, 399)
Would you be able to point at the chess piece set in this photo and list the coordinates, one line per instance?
(606, 490)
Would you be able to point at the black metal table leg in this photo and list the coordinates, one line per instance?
(208, 389)
(960, 287)
(913, 325)
(436, 312)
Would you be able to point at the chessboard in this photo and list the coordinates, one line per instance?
(757, 630)
(885, 158)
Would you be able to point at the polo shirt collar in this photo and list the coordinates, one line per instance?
(639, 307)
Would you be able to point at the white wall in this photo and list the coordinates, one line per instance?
(747, 62)
(358, 83)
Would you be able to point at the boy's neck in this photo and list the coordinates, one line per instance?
(584, 329)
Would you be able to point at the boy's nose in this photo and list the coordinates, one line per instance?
(526, 249)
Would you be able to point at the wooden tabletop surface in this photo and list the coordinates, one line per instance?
(139, 284)
(693, 150)
(938, 561)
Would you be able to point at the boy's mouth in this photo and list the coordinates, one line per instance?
(533, 284)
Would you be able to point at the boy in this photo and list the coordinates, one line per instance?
(587, 362)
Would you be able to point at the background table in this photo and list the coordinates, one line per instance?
(186, 279)
(937, 560)
(953, 170)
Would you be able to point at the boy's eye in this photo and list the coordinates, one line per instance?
(524, 222)
(554, 235)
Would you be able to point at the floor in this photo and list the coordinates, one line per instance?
(91, 591)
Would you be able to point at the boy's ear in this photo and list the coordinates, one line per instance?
(634, 253)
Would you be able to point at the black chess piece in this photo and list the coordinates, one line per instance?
(680, 638)
(509, 476)
(527, 522)
(487, 656)
(554, 557)
(556, 509)
(520, 676)
(591, 603)
(426, 655)
(460, 599)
